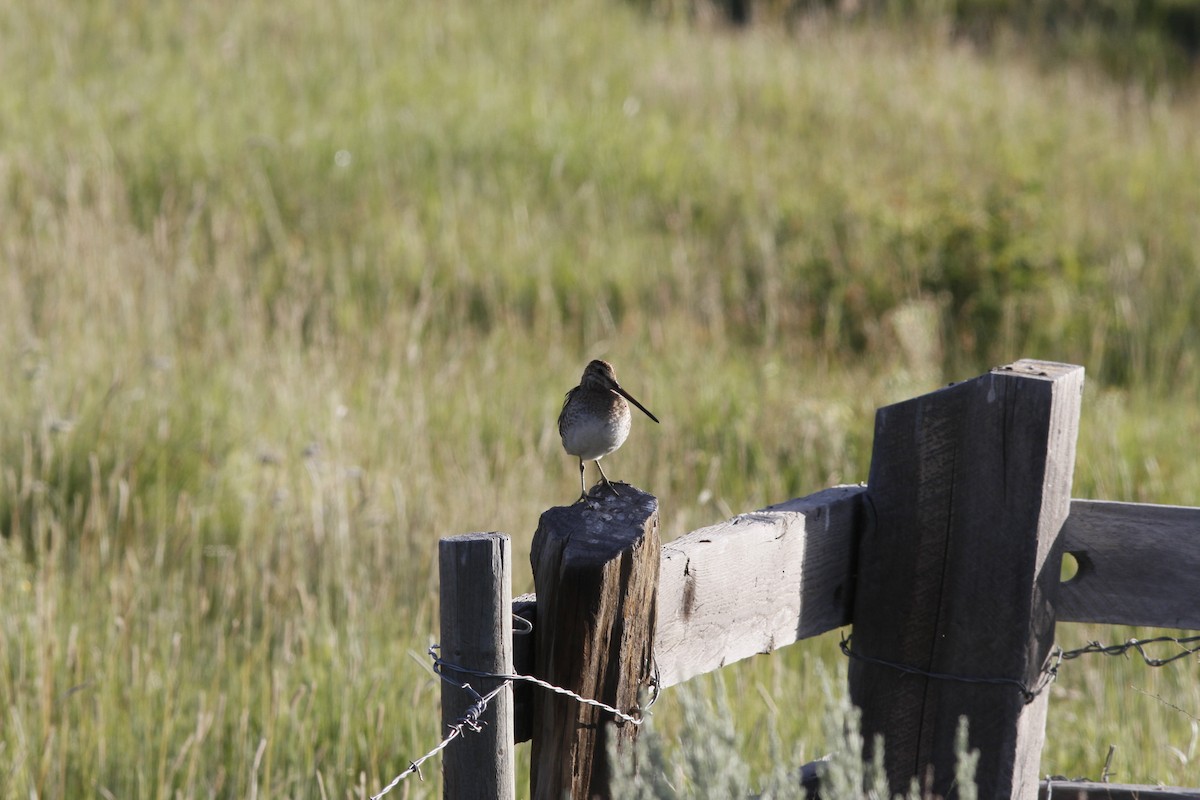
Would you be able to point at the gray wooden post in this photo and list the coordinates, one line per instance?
(595, 568)
(958, 574)
(476, 620)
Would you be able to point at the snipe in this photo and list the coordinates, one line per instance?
(595, 418)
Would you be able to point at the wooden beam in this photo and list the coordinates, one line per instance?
(765, 579)
(969, 488)
(1087, 790)
(476, 632)
(1138, 565)
(595, 569)
(756, 583)
(1048, 788)
(750, 585)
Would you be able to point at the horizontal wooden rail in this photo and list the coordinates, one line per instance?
(756, 583)
(750, 585)
(766, 579)
(1085, 790)
(1050, 789)
(1138, 565)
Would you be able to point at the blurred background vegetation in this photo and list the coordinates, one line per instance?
(1155, 42)
(286, 293)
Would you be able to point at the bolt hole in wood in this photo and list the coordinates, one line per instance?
(1074, 565)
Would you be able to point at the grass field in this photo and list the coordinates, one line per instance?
(289, 291)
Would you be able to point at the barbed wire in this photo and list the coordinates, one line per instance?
(439, 664)
(1166, 703)
(1049, 671)
(1140, 646)
(470, 718)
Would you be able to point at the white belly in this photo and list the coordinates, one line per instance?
(592, 438)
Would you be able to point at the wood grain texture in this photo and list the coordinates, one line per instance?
(750, 585)
(1087, 790)
(475, 570)
(595, 569)
(969, 489)
(755, 583)
(1138, 565)
(1048, 789)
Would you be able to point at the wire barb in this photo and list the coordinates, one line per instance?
(471, 719)
(439, 665)
(1185, 643)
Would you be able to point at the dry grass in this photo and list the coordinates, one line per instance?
(288, 294)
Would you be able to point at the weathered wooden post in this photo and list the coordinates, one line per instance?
(958, 574)
(476, 619)
(595, 569)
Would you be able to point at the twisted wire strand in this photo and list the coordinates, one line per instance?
(470, 719)
(1049, 672)
(440, 664)
(1185, 643)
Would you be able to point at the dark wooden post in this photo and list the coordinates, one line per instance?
(595, 569)
(958, 573)
(476, 618)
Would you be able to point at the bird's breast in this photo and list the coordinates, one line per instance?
(591, 437)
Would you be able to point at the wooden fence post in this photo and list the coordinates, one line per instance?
(476, 620)
(595, 569)
(958, 574)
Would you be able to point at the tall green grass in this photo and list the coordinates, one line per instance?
(289, 292)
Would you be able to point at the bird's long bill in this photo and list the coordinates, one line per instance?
(628, 397)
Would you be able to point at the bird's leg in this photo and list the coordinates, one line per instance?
(604, 478)
(582, 488)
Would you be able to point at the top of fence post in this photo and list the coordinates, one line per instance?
(969, 488)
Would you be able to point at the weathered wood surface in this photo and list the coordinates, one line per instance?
(1048, 789)
(969, 488)
(524, 607)
(1138, 565)
(476, 632)
(749, 585)
(752, 581)
(1086, 790)
(595, 569)
(758, 582)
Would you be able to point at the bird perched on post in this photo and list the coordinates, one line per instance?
(595, 418)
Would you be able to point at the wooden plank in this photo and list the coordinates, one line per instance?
(1048, 788)
(595, 568)
(1087, 790)
(1138, 565)
(476, 632)
(746, 586)
(756, 583)
(969, 487)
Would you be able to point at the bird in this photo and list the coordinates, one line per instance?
(595, 418)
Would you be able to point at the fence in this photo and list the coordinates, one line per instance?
(946, 563)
